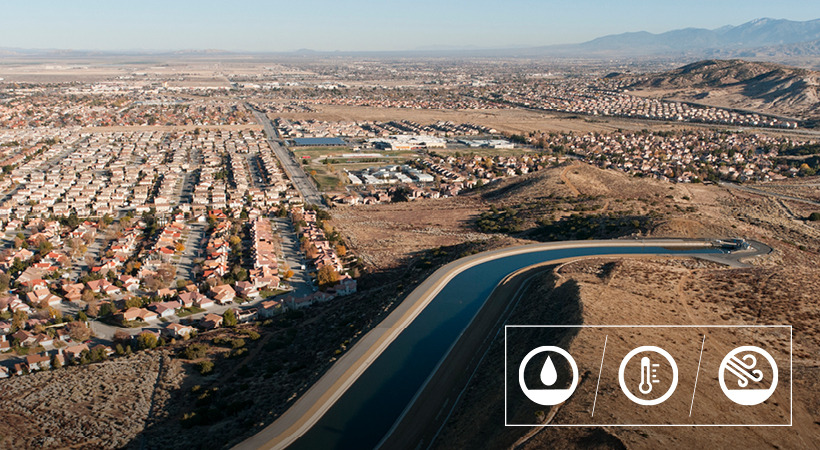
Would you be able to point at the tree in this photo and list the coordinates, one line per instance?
(341, 250)
(240, 273)
(121, 336)
(5, 280)
(229, 318)
(45, 247)
(167, 273)
(146, 340)
(133, 302)
(311, 251)
(88, 295)
(327, 276)
(93, 309)
(78, 331)
(18, 320)
(814, 217)
(72, 221)
(108, 309)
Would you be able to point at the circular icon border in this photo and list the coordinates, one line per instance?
(725, 362)
(547, 348)
(672, 386)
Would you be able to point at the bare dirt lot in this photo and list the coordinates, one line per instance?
(508, 120)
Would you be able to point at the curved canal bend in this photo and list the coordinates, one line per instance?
(357, 401)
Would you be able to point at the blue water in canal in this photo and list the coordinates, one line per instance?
(366, 412)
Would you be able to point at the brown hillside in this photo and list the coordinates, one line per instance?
(764, 87)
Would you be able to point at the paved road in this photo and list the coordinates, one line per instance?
(193, 246)
(93, 251)
(300, 417)
(292, 167)
(301, 281)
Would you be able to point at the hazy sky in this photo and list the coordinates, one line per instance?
(256, 25)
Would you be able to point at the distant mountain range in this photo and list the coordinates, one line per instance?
(757, 34)
(768, 39)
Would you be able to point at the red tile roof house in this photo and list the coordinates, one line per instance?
(165, 309)
(189, 299)
(102, 286)
(245, 315)
(177, 331)
(110, 289)
(166, 293)
(71, 287)
(43, 295)
(74, 351)
(37, 361)
(270, 308)
(130, 283)
(301, 302)
(36, 284)
(223, 294)
(18, 305)
(25, 338)
(246, 289)
(5, 327)
(5, 345)
(211, 321)
(346, 286)
(63, 335)
(43, 339)
(19, 368)
(73, 296)
(165, 254)
(204, 302)
(139, 313)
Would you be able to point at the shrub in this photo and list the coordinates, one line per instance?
(205, 367)
(146, 340)
(195, 351)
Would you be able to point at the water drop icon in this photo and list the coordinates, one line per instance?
(548, 374)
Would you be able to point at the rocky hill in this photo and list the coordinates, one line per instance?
(764, 87)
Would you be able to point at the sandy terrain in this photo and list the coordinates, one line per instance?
(509, 120)
(656, 291)
(62, 408)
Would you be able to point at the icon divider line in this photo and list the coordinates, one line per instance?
(697, 374)
(601, 369)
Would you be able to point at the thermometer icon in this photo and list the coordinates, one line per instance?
(648, 375)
